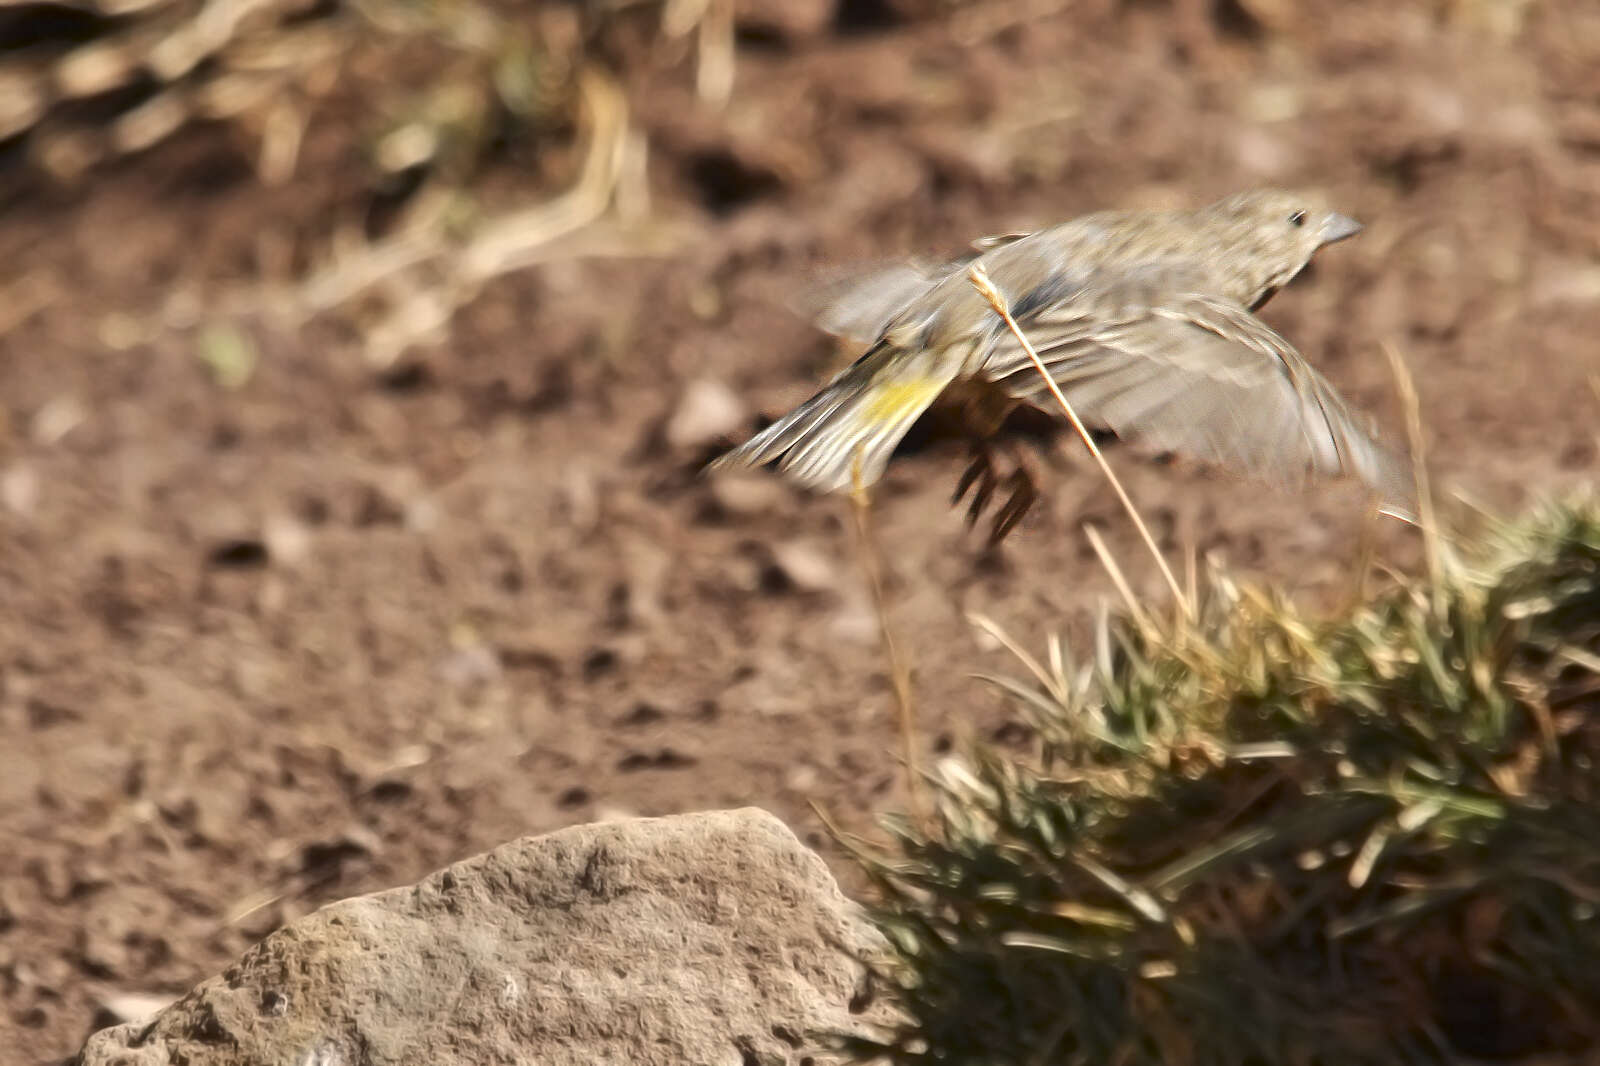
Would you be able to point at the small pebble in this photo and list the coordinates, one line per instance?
(707, 411)
(807, 568)
(744, 495)
(19, 489)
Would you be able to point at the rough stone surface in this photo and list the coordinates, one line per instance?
(710, 938)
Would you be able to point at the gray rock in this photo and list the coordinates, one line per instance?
(711, 938)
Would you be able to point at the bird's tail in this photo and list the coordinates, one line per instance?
(862, 414)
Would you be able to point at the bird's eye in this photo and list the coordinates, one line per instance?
(1297, 219)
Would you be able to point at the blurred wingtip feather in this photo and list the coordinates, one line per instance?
(861, 416)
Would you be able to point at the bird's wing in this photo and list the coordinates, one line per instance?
(857, 419)
(861, 307)
(1199, 377)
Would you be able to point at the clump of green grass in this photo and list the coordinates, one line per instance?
(1265, 839)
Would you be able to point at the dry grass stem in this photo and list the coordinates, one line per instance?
(899, 671)
(1427, 519)
(1118, 579)
(1366, 555)
(986, 287)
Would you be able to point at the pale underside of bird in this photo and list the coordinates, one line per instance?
(1145, 323)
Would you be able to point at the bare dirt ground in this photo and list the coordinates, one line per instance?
(265, 647)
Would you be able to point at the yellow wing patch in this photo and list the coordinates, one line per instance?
(892, 401)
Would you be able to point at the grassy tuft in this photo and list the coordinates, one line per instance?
(1267, 839)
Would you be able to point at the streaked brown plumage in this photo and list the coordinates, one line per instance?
(1144, 319)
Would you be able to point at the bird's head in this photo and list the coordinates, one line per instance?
(1267, 236)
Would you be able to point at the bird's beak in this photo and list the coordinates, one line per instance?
(1337, 227)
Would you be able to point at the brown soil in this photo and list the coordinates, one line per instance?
(321, 634)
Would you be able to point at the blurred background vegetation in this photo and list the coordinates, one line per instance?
(432, 100)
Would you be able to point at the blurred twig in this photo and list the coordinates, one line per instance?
(712, 23)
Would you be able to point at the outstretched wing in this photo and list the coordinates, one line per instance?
(857, 418)
(860, 308)
(1199, 377)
